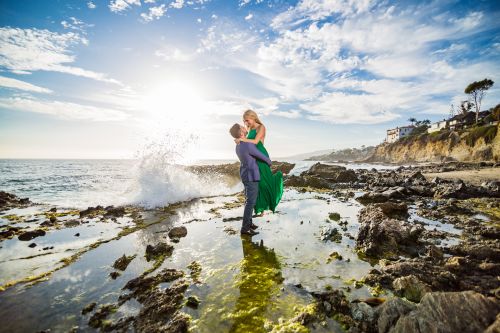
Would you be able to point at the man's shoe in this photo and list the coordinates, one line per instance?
(253, 226)
(249, 232)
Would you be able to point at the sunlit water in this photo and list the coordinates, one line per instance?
(273, 273)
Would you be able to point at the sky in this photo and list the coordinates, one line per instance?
(108, 79)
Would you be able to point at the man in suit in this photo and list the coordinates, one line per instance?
(250, 175)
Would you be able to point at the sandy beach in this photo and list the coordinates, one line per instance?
(475, 177)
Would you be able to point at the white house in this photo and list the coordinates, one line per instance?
(397, 133)
(437, 126)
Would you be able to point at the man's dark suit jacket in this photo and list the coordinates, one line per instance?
(247, 153)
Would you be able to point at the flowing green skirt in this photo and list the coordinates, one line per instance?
(270, 188)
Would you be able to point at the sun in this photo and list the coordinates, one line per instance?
(174, 100)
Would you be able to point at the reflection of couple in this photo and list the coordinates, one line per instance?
(259, 281)
(263, 189)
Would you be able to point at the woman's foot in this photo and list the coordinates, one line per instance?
(260, 215)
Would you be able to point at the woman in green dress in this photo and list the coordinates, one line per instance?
(270, 185)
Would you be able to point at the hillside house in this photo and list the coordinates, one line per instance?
(462, 120)
(437, 126)
(397, 133)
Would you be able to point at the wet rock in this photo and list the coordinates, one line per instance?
(307, 181)
(29, 235)
(9, 233)
(92, 211)
(450, 312)
(115, 211)
(77, 234)
(334, 216)
(331, 234)
(331, 173)
(389, 313)
(122, 262)
(410, 287)
(334, 256)
(381, 236)
(71, 223)
(47, 223)
(177, 232)
(193, 302)
(8, 201)
(230, 230)
(393, 209)
(53, 209)
(89, 308)
(160, 249)
(284, 167)
(372, 197)
(100, 315)
(114, 275)
(32, 245)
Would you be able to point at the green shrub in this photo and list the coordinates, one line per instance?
(487, 132)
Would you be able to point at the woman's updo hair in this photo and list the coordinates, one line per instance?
(253, 115)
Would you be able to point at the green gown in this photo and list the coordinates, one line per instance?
(270, 185)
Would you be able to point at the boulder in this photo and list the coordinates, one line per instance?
(389, 313)
(160, 249)
(177, 232)
(307, 181)
(9, 200)
(410, 287)
(381, 236)
(29, 235)
(450, 312)
(332, 173)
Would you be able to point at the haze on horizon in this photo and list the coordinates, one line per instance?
(105, 79)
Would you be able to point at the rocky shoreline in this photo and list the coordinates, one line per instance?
(445, 288)
(427, 278)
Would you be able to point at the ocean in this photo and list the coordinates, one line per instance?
(149, 182)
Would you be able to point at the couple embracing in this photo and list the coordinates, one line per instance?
(263, 189)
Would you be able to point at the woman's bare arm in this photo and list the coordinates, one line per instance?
(261, 134)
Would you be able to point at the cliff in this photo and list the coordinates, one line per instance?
(349, 154)
(474, 145)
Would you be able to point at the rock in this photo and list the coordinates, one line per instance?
(92, 211)
(334, 216)
(177, 232)
(29, 235)
(389, 313)
(115, 211)
(380, 236)
(331, 234)
(284, 167)
(392, 209)
(32, 245)
(193, 302)
(410, 287)
(307, 181)
(114, 275)
(77, 234)
(88, 308)
(332, 173)
(160, 249)
(71, 223)
(372, 197)
(122, 262)
(8, 200)
(451, 312)
(53, 219)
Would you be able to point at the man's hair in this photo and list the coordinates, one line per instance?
(235, 131)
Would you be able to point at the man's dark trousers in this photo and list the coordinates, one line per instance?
(251, 193)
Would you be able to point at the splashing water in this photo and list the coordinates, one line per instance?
(161, 178)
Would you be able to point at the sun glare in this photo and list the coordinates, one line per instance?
(174, 100)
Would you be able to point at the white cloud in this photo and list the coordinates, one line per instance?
(172, 53)
(75, 24)
(64, 110)
(8, 82)
(249, 17)
(23, 51)
(154, 13)
(91, 5)
(117, 6)
(178, 4)
(244, 2)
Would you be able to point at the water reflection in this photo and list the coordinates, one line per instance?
(258, 281)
